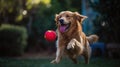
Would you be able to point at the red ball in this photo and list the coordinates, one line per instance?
(50, 35)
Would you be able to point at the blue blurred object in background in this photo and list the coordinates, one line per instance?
(98, 49)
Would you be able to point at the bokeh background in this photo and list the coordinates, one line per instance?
(24, 22)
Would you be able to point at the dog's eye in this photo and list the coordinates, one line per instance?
(67, 16)
(60, 16)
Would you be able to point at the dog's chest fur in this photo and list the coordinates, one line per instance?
(67, 37)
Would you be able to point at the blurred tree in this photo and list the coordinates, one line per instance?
(72, 5)
(107, 23)
(15, 11)
(20, 12)
(10, 12)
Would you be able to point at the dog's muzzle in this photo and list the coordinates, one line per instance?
(61, 21)
(63, 27)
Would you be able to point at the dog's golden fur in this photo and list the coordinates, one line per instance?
(71, 40)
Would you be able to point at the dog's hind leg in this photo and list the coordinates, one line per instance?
(73, 58)
(87, 55)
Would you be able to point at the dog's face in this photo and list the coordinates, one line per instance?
(66, 19)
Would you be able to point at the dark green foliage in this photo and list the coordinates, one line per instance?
(62, 5)
(12, 40)
(107, 23)
(10, 10)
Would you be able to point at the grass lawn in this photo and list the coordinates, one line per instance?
(45, 62)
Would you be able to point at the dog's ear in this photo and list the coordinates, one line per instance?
(56, 17)
(79, 17)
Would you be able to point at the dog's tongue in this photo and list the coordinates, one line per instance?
(62, 28)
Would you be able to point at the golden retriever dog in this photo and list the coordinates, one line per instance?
(71, 40)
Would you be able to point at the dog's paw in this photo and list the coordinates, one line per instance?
(71, 44)
(54, 62)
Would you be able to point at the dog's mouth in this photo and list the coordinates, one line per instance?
(64, 27)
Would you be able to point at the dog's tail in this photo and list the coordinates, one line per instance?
(92, 38)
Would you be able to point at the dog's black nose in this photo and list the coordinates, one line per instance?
(61, 21)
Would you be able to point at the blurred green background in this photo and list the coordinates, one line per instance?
(24, 22)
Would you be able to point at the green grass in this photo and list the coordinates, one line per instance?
(96, 62)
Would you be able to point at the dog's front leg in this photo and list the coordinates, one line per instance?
(73, 43)
(59, 54)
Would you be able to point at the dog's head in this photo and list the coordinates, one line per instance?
(66, 19)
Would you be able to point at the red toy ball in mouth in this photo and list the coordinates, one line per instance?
(50, 35)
